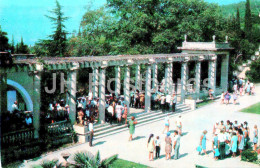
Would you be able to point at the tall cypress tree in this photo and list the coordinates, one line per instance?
(248, 18)
(57, 46)
(238, 20)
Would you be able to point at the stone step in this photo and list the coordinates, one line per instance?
(147, 115)
(125, 128)
(156, 116)
(178, 106)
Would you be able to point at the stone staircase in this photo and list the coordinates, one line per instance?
(103, 130)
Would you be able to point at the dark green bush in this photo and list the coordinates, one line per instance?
(249, 155)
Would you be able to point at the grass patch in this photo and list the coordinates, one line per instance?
(204, 103)
(120, 163)
(252, 109)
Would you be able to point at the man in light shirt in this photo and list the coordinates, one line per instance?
(174, 101)
(168, 101)
(91, 132)
(90, 95)
(176, 145)
(14, 107)
(221, 143)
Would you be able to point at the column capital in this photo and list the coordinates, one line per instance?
(200, 58)
(75, 66)
(129, 62)
(151, 60)
(213, 58)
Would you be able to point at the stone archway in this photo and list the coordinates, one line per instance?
(23, 92)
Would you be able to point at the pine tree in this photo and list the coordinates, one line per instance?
(12, 48)
(22, 48)
(248, 18)
(3, 40)
(57, 46)
(238, 20)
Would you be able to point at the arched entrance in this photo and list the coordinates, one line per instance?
(23, 92)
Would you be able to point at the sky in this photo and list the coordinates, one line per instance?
(26, 18)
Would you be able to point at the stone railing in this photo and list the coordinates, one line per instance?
(58, 128)
(17, 137)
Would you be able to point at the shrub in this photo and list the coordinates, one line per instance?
(249, 155)
(253, 74)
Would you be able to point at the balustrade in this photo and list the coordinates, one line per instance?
(17, 137)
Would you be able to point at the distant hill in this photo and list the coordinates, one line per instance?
(231, 9)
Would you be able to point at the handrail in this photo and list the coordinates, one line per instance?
(18, 131)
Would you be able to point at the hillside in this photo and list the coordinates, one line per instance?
(229, 10)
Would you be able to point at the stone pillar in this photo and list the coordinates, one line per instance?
(148, 89)
(36, 103)
(166, 77)
(197, 79)
(183, 80)
(155, 77)
(102, 98)
(117, 81)
(3, 93)
(212, 74)
(127, 87)
(138, 77)
(72, 90)
(170, 78)
(224, 72)
(95, 82)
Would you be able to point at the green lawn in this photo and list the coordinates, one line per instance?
(120, 163)
(252, 109)
(204, 103)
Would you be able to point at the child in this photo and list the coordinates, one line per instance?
(235, 98)
(215, 146)
(158, 146)
(241, 90)
(222, 98)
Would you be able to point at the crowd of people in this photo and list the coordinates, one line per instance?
(16, 119)
(229, 139)
(240, 88)
(159, 100)
(171, 142)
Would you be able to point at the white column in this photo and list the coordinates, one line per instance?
(117, 81)
(212, 74)
(170, 78)
(95, 82)
(148, 89)
(137, 77)
(224, 72)
(166, 78)
(155, 77)
(183, 80)
(187, 72)
(72, 90)
(36, 103)
(197, 79)
(102, 98)
(127, 87)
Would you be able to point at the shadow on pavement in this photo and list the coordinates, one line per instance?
(184, 133)
(138, 137)
(183, 155)
(99, 143)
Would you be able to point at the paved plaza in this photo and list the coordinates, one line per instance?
(194, 123)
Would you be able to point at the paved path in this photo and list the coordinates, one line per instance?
(193, 124)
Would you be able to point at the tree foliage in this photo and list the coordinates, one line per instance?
(88, 160)
(3, 40)
(56, 45)
(145, 27)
